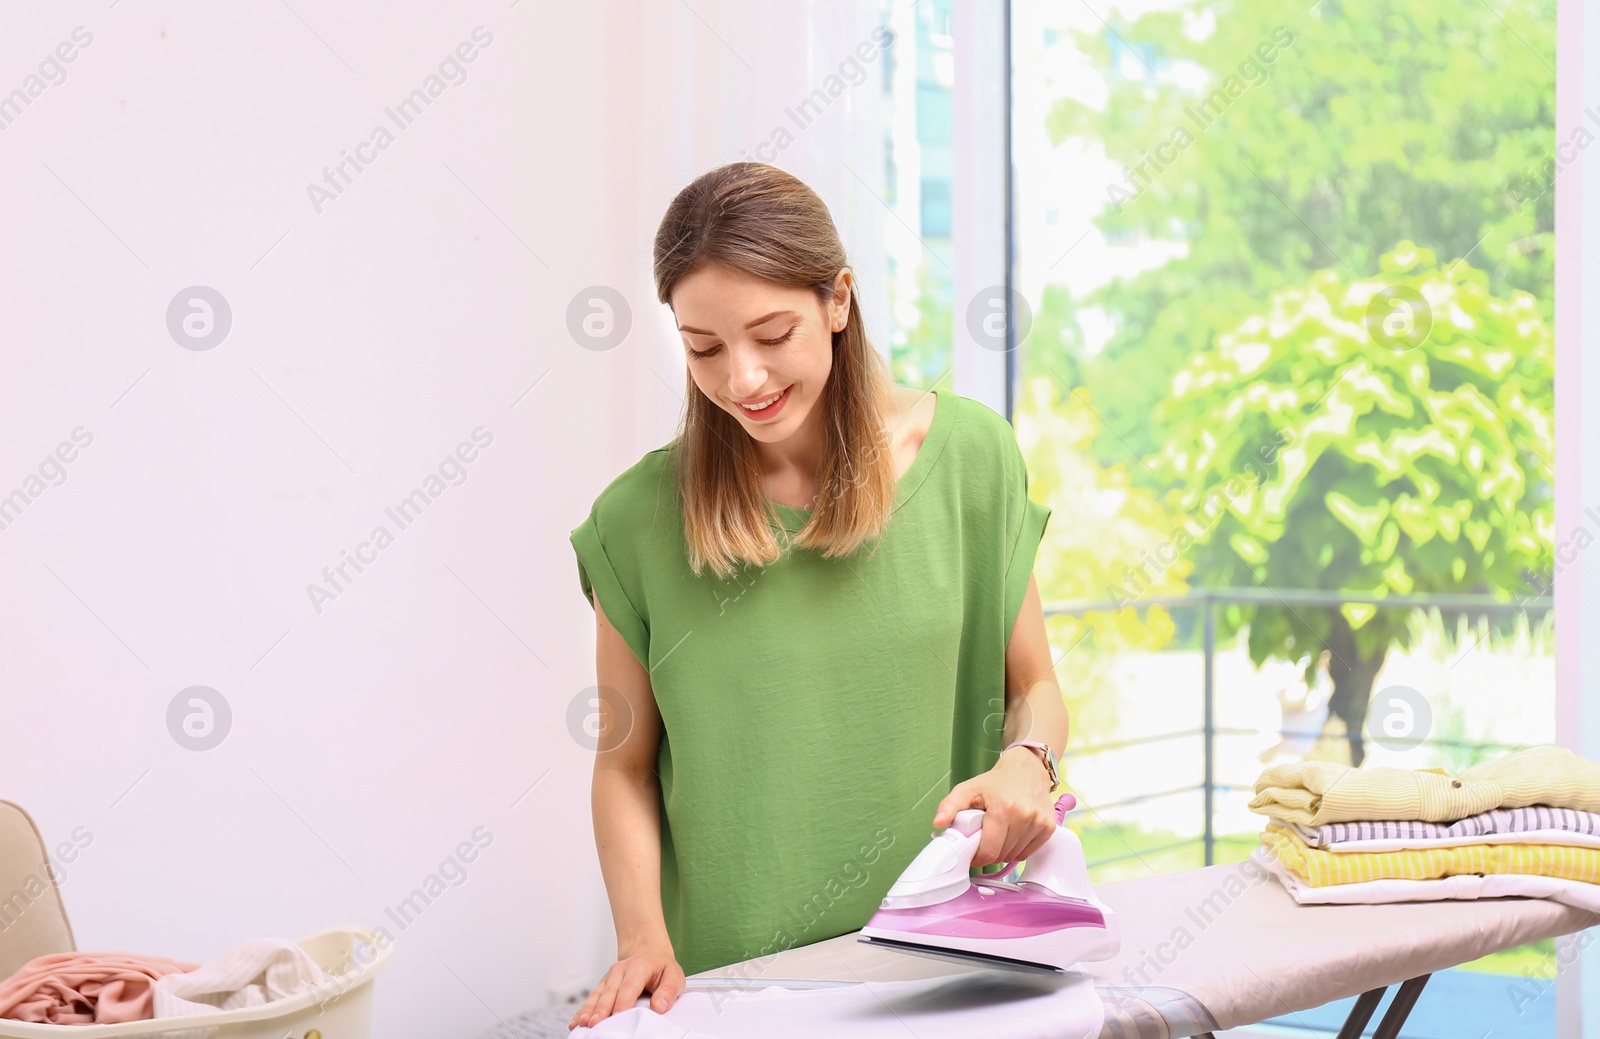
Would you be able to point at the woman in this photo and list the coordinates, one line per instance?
(815, 611)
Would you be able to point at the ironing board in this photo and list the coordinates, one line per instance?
(1224, 946)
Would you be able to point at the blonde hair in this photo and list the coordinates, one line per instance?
(755, 218)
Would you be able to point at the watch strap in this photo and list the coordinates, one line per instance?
(1049, 758)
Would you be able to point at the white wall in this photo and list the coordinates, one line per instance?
(371, 738)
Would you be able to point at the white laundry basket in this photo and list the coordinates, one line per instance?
(340, 1009)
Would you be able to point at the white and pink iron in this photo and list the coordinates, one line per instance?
(1044, 923)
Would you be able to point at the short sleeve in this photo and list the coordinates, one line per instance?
(1028, 519)
(597, 577)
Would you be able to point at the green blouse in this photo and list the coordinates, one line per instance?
(816, 711)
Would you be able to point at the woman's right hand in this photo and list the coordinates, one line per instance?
(653, 967)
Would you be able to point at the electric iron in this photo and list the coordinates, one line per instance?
(1045, 923)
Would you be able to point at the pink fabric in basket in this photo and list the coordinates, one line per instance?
(85, 988)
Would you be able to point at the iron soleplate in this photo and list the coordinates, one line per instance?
(964, 956)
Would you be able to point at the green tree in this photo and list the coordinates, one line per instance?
(923, 358)
(1374, 121)
(1098, 522)
(1378, 435)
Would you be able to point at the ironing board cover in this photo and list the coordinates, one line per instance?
(1225, 946)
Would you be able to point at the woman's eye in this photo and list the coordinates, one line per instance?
(701, 355)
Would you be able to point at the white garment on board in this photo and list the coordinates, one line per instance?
(990, 1003)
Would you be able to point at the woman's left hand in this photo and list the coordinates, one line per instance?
(1018, 810)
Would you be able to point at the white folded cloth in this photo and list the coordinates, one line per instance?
(247, 975)
(1017, 1006)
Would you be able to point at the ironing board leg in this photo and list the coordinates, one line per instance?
(1366, 1003)
(1361, 1013)
(1404, 1000)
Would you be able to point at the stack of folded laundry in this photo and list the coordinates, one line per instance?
(81, 988)
(1526, 824)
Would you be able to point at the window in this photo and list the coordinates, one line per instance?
(1191, 179)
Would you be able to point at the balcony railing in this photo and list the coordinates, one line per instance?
(1207, 600)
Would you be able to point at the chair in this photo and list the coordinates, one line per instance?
(33, 920)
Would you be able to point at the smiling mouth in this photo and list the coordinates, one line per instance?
(772, 402)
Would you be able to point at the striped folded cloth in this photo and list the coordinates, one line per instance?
(1318, 868)
(1547, 825)
(1315, 793)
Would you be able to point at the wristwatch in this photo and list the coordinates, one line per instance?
(1049, 758)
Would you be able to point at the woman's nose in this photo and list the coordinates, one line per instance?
(747, 373)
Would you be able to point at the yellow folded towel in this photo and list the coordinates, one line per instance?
(1312, 793)
(1319, 868)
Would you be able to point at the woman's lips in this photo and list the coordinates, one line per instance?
(770, 411)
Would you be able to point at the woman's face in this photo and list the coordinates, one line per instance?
(749, 341)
